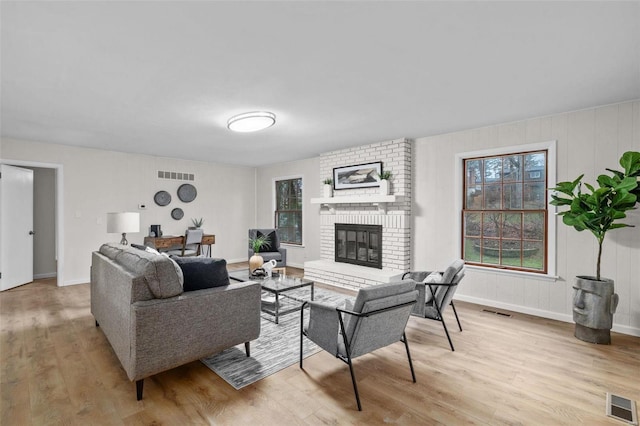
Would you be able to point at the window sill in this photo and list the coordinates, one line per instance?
(292, 245)
(521, 274)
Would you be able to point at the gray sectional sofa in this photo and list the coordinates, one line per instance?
(153, 325)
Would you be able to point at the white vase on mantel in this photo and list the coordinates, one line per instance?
(327, 191)
(384, 187)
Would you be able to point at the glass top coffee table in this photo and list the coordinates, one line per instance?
(281, 295)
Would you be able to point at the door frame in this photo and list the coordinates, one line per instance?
(59, 196)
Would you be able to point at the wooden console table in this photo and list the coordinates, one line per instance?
(167, 242)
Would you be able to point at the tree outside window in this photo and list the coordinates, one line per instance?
(288, 214)
(505, 211)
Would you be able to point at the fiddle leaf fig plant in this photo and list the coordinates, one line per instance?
(599, 210)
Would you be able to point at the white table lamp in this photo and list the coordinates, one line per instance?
(122, 223)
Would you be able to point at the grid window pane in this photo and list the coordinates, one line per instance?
(493, 170)
(512, 168)
(512, 226)
(492, 197)
(513, 196)
(472, 224)
(288, 215)
(491, 224)
(505, 211)
(535, 195)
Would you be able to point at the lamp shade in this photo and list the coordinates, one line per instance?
(123, 222)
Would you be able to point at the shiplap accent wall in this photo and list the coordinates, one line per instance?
(588, 141)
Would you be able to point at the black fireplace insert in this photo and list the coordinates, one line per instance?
(359, 244)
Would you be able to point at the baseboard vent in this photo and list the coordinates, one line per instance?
(622, 408)
(502, 314)
(175, 175)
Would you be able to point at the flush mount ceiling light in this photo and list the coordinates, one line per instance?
(251, 121)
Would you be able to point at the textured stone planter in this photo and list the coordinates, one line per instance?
(594, 303)
(327, 191)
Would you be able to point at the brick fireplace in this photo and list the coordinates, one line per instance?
(366, 206)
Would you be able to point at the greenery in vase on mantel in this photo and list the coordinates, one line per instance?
(385, 177)
(328, 188)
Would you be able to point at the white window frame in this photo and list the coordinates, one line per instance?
(274, 201)
(551, 148)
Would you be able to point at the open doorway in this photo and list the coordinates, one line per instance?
(47, 219)
(44, 223)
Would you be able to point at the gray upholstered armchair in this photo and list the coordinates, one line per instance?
(435, 293)
(274, 251)
(377, 319)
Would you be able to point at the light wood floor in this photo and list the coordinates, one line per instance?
(58, 368)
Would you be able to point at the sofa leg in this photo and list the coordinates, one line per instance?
(97, 325)
(247, 348)
(139, 384)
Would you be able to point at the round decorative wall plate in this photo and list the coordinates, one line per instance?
(177, 213)
(187, 192)
(162, 198)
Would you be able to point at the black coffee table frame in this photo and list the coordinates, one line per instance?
(278, 287)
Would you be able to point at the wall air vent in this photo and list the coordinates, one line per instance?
(622, 408)
(175, 175)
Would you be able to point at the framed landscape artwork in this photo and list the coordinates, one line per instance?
(358, 176)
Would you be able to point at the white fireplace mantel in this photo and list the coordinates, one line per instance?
(376, 199)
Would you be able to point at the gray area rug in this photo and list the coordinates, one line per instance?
(277, 347)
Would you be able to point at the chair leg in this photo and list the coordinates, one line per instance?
(247, 348)
(441, 319)
(355, 386)
(456, 313)
(301, 332)
(447, 333)
(139, 385)
(406, 345)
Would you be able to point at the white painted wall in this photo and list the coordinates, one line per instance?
(98, 181)
(309, 169)
(588, 141)
(230, 200)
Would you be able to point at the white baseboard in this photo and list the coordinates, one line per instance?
(46, 275)
(75, 282)
(625, 329)
(238, 260)
(633, 331)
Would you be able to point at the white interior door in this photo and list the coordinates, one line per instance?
(16, 226)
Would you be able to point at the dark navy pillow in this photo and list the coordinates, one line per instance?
(202, 272)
